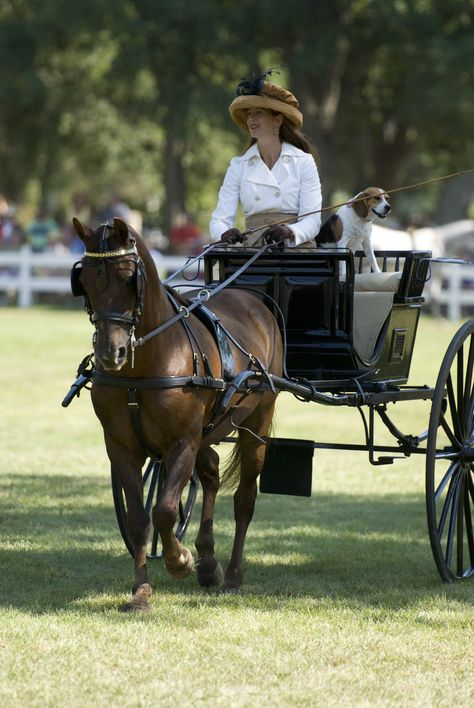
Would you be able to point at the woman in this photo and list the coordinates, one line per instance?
(276, 179)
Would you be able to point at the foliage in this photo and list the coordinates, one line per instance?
(133, 95)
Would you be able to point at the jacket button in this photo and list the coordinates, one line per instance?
(277, 194)
(257, 198)
(286, 159)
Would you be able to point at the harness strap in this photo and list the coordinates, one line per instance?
(192, 339)
(162, 382)
(184, 311)
(135, 417)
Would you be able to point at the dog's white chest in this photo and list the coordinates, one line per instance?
(355, 229)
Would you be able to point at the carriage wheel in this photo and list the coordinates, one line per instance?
(450, 460)
(153, 479)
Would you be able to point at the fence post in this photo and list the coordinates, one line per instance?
(454, 303)
(24, 277)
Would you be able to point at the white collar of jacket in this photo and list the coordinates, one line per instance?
(258, 170)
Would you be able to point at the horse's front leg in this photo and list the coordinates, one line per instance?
(179, 465)
(128, 471)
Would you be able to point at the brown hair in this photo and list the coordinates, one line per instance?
(290, 134)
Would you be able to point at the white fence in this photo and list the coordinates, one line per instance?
(24, 274)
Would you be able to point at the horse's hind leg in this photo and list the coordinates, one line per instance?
(209, 571)
(252, 459)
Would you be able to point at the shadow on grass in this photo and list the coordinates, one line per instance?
(60, 548)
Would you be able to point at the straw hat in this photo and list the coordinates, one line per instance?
(265, 95)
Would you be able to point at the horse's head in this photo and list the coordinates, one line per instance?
(111, 277)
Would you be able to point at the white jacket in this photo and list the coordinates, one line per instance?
(292, 187)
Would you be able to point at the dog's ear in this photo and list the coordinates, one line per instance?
(359, 205)
(331, 231)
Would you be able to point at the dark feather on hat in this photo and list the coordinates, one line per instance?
(253, 87)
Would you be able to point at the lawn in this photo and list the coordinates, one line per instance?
(342, 604)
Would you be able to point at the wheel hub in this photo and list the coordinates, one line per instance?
(466, 453)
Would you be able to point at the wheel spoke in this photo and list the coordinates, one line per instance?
(460, 387)
(154, 543)
(445, 509)
(468, 383)
(460, 526)
(453, 408)
(470, 484)
(452, 521)
(152, 487)
(468, 516)
(449, 473)
(148, 471)
(452, 438)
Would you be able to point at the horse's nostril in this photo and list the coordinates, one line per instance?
(121, 352)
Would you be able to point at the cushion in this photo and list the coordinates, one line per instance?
(370, 312)
(377, 282)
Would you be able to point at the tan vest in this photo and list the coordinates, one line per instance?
(263, 219)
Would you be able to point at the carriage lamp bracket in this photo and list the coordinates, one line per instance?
(424, 279)
(407, 443)
(369, 429)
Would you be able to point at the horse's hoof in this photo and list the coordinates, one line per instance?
(180, 568)
(139, 600)
(210, 580)
(135, 606)
(230, 590)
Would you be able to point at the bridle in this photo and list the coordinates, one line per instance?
(103, 256)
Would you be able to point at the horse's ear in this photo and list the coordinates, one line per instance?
(82, 230)
(121, 230)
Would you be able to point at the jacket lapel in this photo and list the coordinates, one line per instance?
(259, 173)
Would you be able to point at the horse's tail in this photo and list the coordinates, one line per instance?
(230, 472)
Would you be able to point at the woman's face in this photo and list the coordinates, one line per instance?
(263, 123)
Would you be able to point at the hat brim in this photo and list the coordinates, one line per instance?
(240, 105)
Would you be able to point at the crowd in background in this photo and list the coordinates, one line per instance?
(45, 231)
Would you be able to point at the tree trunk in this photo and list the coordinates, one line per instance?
(454, 199)
(174, 180)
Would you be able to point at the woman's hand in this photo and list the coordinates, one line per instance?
(232, 236)
(278, 234)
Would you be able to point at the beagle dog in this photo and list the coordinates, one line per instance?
(351, 227)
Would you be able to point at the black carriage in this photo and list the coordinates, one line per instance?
(349, 337)
(350, 342)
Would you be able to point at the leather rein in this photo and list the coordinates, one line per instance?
(183, 312)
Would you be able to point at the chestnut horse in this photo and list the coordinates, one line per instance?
(126, 301)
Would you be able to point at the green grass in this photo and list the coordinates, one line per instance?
(342, 604)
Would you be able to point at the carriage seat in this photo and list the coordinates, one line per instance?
(377, 282)
(373, 301)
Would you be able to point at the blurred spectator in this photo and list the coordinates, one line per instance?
(185, 236)
(10, 232)
(42, 232)
(114, 207)
(81, 210)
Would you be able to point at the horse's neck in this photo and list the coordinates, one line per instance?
(157, 307)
